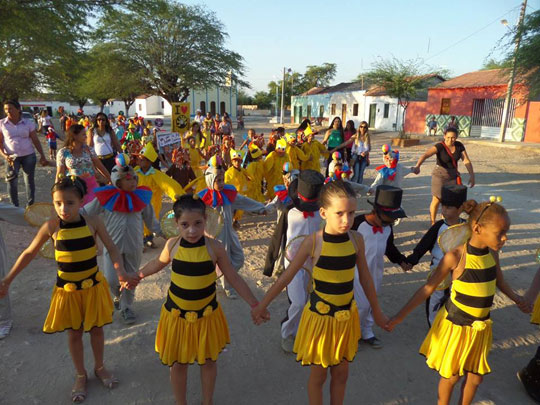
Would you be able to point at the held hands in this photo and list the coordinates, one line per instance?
(128, 281)
(406, 266)
(524, 305)
(415, 169)
(4, 287)
(471, 181)
(259, 315)
(381, 320)
(391, 324)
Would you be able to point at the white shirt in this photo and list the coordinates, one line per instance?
(45, 121)
(297, 225)
(102, 144)
(360, 148)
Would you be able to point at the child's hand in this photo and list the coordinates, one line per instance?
(259, 314)
(406, 266)
(4, 287)
(524, 305)
(370, 191)
(391, 324)
(381, 320)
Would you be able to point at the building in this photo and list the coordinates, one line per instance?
(217, 100)
(476, 99)
(351, 101)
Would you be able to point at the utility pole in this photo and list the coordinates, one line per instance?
(510, 87)
(282, 97)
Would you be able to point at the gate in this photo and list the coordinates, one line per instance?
(487, 115)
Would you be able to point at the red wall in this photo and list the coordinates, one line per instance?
(415, 117)
(461, 100)
(532, 131)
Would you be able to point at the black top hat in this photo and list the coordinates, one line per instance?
(304, 191)
(388, 201)
(453, 195)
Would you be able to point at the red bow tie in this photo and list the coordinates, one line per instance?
(310, 214)
(377, 229)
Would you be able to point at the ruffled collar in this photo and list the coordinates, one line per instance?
(215, 198)
(115, 200)
(387, 172)
(283, 194)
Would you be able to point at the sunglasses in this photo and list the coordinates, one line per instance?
(363, 126)
(101, 119)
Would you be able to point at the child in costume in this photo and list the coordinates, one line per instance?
(124, 207)
(225, 199)
(80, 301)
(314, 149)
(295, 154)
(392, 172)
(329, 329)
(453, 201)
(52, 136)
(196, 155)
(158, 182)
(255, 170)
(339, 171)
(301, 220)
(192, 326)
(273, 167)
(376, 229)
(14, 215)
(239, 178)
(180, 170)
(459, 340)
(225, 153)
(275, 256)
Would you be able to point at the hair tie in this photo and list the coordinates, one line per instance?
(494, 199)
(195, 196)
(73, 178)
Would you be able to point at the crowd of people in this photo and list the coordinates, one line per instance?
(110, 182)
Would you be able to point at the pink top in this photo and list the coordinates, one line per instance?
(17, 136)
(347, 135)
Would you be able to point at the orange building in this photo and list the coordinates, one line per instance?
(476, 100)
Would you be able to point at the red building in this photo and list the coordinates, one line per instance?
(476, 99)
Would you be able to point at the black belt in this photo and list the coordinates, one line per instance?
(314, 299)
(170, 305)
(61, 283)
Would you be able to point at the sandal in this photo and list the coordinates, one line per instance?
(109, 382)
(78, 395)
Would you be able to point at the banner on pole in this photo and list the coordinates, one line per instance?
(180, 117)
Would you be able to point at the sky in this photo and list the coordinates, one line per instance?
(458, 35)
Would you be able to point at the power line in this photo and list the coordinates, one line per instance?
(474, 33)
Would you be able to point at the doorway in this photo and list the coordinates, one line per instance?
(343, 114)
(372, 115)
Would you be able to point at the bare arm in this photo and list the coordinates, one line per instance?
(158, 263)
(468, 165)
(44, 233)
(502, 285)
(90, 138)
(100, 168)
(3, 150)
(534, 289)
(37, 145)
(343, 145)
(430, 152)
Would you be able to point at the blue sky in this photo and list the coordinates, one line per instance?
(274, 34)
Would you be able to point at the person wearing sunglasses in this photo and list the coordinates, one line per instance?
(376, 229)
(359, 151)
(103, 140)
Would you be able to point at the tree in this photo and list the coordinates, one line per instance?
(401, 79)
(67, 77)
(317, 76)
(179, 47)
(263, 100)
(244, 98)
(492, 63)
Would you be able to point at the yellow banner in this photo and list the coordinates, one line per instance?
(180, 117)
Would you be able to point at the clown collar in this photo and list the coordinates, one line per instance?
(215, 198)
(116, 200)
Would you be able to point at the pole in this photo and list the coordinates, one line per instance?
(277, 101)
(282, 97)
(510, 87)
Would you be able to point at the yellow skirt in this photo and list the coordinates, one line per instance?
(181, 341)
(326, 341)
(535, 316)
(453, 349)
(88, 308)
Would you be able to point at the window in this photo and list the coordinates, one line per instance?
(386, 110)
(213, 107)
(321, 111)
(333, 110)
(355, 110)
(445, 106)
(163, 104)
(140, 107)
(222, 107)
(309, 111)
(203, 107)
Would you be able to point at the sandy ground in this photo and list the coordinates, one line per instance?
(36, 368)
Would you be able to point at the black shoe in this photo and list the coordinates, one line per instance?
(530, 378)
(116, 302)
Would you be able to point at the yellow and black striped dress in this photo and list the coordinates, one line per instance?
(329, 329)
(460, 339)
(81, 296)
(192, 326)
(535, 316)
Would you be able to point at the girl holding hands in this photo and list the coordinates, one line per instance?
(192, 326)
(329, 329)
(80, 301)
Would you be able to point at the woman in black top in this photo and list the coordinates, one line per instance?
(446, 171)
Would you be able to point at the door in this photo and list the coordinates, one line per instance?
(213, 108)
(486, 117)
(343, 114)
(309, 112)
(296, 118)
(300, 114)
(372, 115)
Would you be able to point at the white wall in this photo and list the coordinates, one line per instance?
(348, 98)
(381, 123)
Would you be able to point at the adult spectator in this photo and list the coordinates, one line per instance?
(45, 121)
(103, 140)
(199, 117)
(333, 138)
(360, 147)
(225, 127)
(17, 142)
(448, 153)
(348, 133)
(452, 124)
(432, 126)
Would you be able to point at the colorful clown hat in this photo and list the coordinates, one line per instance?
(336, 156)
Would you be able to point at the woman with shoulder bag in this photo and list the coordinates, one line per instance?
(103, 140)
(361, 145)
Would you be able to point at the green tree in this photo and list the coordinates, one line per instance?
(66, 77)
(179, 47)
(244, 98)
(263, 99)
(401, 79)
(528, 56)
(317, 76)
(493, 63)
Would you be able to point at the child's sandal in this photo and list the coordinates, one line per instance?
(109, 382)
(79, 395)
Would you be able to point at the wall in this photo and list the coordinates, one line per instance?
(228, 95)
(348, 98)
(415, 118)
(532, 129)
(315, 100)
(381, 123)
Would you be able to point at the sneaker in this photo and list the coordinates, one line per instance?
(236, 225)
(287, 344)
(5, 330)
(529, 380)
(373, 342)
(231, 293)
(150, 244)
(129, 316)
(116, 302)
